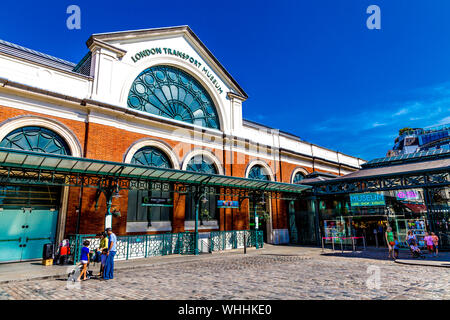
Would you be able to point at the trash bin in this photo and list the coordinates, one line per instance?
(48, 251)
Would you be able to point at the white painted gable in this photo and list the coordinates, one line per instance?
(118, 58)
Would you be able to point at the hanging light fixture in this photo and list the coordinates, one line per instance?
(204, 199)
(262, 200)
(116, 193)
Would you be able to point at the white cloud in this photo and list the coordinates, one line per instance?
(445, 120)
(401, 112)
(377, 124)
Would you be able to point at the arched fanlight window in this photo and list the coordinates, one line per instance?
(201, 164)
(152, 157)
(298, 177)
(258, 172)
(36, 139)
(172, 93)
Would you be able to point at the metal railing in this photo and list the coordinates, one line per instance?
(143, 246)
(341, 242)
(226, 240)
(138, 246)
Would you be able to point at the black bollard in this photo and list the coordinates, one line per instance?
(245, 244)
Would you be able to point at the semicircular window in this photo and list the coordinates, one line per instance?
(201, 164)
(36, 139)
(258, 172)
(172, 93)
(298, 177)
(152, 157)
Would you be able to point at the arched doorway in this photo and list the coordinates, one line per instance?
(29, 213)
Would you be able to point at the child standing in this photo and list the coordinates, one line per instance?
(435, 243)
(396, 247)
(429, 241)
(84, 259)
(103, 261)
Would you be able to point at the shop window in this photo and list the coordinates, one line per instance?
(152, 157)
(208, 202)
(207, 209)
(139, 213)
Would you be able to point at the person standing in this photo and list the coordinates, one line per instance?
(435, 243)
(396, 247)
(389, 236)
(84, 259)
(429, 242)
(103, 246)
(108, 273)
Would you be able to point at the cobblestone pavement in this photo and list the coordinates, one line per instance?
(286, 273)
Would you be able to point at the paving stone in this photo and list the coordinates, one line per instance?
(293, 273)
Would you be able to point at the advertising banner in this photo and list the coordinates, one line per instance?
(227, 204)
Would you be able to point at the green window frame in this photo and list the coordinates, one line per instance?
(299, 176)
(37, 139)
(201, 163)
(172, 93)
(258, 172)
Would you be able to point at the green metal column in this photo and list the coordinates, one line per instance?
(256, 223)
(315, 203)
(430, 211)
(197, 204)
(108, 215)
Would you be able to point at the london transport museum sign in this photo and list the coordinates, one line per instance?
(154, 51)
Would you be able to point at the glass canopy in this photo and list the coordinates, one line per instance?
(18, 159)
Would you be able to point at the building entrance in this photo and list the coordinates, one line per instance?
(28, 218)
(372, 228)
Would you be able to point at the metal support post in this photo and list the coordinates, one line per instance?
(245, 243)
(197, 205)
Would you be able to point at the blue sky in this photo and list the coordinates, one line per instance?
(311, 68)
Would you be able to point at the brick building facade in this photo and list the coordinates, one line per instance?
(92, 107)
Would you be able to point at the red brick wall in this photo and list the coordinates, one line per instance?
(110, 143)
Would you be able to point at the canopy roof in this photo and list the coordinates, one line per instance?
(44, 162)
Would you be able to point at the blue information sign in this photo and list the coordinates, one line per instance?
(227, 204)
